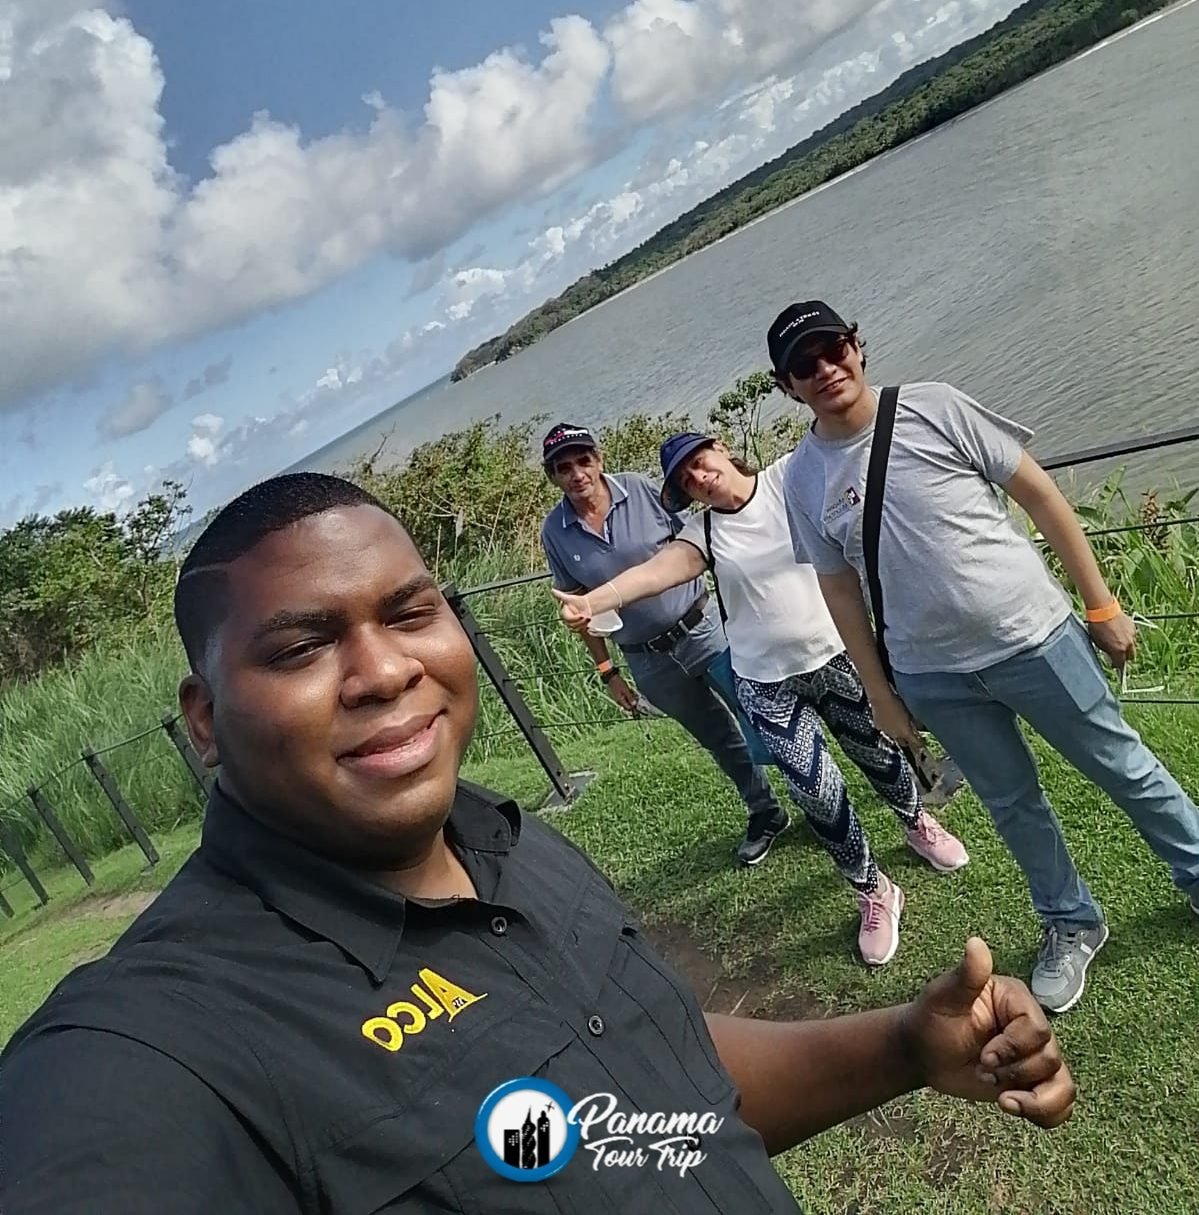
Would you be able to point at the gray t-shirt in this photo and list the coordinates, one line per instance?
(963, 587)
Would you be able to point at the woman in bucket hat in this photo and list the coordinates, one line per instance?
(790, 668)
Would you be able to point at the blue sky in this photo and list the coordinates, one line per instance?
(230, 231)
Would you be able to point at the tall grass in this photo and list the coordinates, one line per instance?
(122, 689)
(1152, 565)
(114, 692)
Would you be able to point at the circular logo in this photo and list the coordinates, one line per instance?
(522, 1132)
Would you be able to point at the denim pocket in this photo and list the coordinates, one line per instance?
(1071, 657)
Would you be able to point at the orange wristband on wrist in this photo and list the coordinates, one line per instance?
(1103, 614)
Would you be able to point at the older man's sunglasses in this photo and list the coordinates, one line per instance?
(832, 350)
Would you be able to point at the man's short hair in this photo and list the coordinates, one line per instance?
(202, 591)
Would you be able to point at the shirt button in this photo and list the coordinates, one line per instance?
(499, 926)
(595, 1025)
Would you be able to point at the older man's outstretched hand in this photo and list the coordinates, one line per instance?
(575, 610)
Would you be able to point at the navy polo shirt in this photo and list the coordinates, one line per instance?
(636, 527)
(277, 1035)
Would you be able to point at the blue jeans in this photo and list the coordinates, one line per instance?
(1060, 689)
(681, 684)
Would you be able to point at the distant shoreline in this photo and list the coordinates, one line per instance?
(890, 103)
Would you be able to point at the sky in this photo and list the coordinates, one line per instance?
(230, 231)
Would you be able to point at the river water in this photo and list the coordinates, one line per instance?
(1041, 252)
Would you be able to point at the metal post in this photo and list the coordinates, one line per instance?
(183, 745)
(12, 845)
(564, 786)
(65, 842)
(6, 906)
(134, 825)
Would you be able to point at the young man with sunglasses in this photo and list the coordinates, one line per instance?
(978, 631)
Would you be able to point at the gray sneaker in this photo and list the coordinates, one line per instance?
(1061, 970)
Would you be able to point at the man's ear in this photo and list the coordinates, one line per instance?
(784, 386)
(195, 699)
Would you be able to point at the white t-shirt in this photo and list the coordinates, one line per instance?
(778, 624)
(963, 586)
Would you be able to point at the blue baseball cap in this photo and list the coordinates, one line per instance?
(672, 453)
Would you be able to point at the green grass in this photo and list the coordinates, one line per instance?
(41, 944)
(663, 823)
(112, 694)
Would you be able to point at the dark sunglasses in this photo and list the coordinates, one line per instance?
(832, 350)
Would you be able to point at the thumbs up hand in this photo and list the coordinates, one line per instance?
(983, 1037)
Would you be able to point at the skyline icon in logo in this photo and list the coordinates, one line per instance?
(522, 1132)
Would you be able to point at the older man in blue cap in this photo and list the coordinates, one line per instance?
(674, 643)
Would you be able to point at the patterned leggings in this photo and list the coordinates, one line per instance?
(787, 716)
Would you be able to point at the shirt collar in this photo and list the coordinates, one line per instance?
(618, 492)
(334, 902)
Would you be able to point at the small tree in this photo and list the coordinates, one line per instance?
(737, 415)
(149, 529)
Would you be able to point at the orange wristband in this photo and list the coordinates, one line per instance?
(604, 666)
(1100, 615)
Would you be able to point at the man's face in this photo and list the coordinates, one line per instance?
(825, 373)
(339, 693)
(578, 472)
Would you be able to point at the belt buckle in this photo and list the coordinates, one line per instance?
(664, 642)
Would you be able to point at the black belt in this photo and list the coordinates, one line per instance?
(664, 642)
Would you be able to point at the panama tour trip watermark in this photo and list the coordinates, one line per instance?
(528, 1129)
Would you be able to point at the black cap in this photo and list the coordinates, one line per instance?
(564, 435)
(796, 322)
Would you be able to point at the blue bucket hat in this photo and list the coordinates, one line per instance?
(672, 453)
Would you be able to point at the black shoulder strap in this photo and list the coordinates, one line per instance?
(724, 616)
(872, 513)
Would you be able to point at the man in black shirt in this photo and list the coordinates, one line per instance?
(366, 949)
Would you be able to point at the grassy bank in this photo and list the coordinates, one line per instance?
(663, 823)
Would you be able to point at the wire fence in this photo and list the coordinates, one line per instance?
(119, 792)
(539, 695)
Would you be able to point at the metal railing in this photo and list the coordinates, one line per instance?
(109, 795)
(565, 785)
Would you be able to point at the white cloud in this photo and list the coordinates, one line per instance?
(670, 54)
(466, 287)
(144, 404)
(104, 248)
(204, 445)
(109, 490)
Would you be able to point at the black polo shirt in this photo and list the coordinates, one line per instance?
(276, 1034)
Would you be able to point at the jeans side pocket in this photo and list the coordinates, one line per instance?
(1072, 659)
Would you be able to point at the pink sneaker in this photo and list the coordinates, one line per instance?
(878, 938)
(943, 851)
